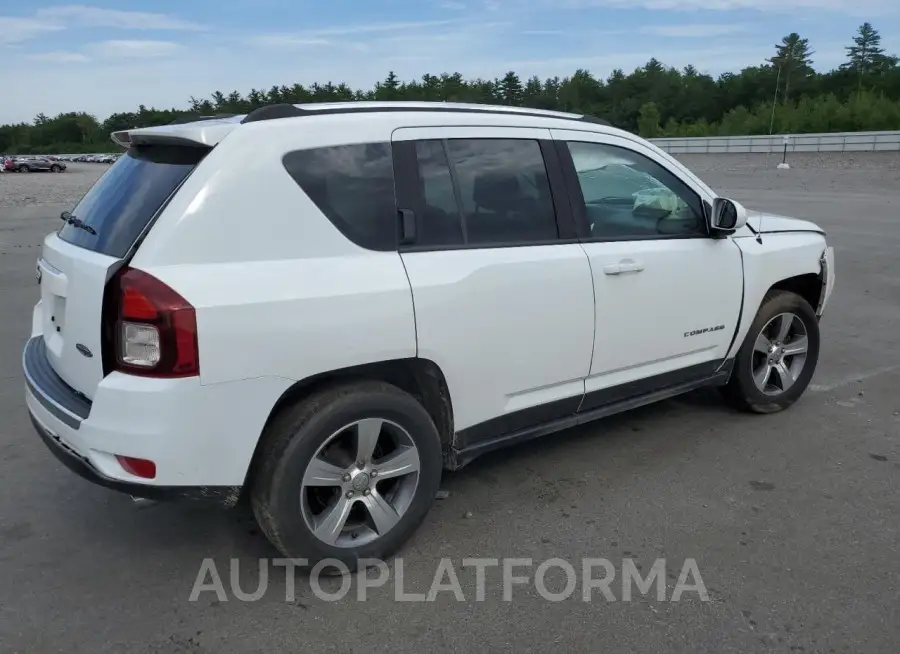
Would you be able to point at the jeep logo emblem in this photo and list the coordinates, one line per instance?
(84, 350)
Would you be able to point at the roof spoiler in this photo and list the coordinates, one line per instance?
(127, 139)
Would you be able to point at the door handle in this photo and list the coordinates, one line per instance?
(624, 266)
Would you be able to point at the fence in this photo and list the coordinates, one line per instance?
(834, 142)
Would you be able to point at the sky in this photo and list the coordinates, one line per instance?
(109, 55)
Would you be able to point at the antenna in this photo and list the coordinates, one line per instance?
(775, 101)
(769, 151)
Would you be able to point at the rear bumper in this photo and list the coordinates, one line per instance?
(225, 495)
(57, 397)
(201, 437)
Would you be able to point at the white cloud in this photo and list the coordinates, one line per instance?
(711, 60)
(16, 30)
(839, 6)
(133, 49)
(380, 27)
(83, 15)
(452, 5)
(285, 41)
(60, 57)
(332, 35)
(691, 31)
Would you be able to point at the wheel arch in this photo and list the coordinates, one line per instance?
(808, 286)
(421, 378)
(791, 262)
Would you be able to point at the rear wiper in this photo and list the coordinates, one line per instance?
(76, 222)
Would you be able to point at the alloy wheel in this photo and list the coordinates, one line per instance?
(779, 354)
(360, 482)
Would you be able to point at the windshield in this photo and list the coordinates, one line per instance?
(124, 200)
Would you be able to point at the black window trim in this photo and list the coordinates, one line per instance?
(457, 196)
(567, 166)
(407, 182)
(406, 185)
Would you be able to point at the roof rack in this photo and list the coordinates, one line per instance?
(593, 119)
(191, 118)
(273, 111)
(276, 111)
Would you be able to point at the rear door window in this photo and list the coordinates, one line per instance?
(484, 192)
(504, 190)
(127, 197)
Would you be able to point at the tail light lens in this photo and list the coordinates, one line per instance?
(156, 329)
(138, 467)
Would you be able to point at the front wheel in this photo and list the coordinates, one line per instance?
(24, 169)
(347, 473)
(778, 357)
(55, 169)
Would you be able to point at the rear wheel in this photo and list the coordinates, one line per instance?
(55, 169)
(347, 473)
(24, 169)
(778, 357)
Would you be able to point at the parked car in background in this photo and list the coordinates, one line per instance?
(37, 164)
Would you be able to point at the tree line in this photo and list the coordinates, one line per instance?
(782, 94)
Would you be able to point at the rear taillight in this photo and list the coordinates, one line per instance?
(156, 329)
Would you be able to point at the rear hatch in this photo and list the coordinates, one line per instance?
(97, 237)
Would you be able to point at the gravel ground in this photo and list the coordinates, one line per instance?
(29, 189)
(793, 519)
(853, 172)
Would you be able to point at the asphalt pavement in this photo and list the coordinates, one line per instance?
(793, 519)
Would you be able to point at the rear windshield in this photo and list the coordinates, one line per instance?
(124, 200)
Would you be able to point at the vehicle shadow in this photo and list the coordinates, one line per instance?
(607, 432)
(196, 532)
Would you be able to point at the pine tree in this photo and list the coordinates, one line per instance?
(510, 89)
(792, 57)
(866, 54)
(389, 89)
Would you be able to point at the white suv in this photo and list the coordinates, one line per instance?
(321, 307)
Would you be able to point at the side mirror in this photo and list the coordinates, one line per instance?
(727, 216)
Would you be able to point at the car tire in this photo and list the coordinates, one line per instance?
(24, 169)
(55, 169)
(329, 426)
(778, 357)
